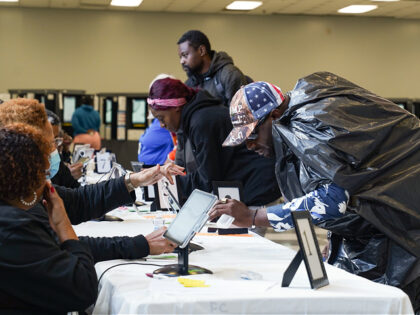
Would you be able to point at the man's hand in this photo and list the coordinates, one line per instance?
(76, 170)
(170, 169)
(145, 177)
(158, 244)
(150, 176)
(243, 216)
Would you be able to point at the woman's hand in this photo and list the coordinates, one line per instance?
(158, 244)
(57, 214)
(76, 170)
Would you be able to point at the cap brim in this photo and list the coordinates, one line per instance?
(239, 134)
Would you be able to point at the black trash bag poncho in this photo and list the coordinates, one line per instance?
(334, 130)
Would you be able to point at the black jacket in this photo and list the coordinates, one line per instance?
(64, 177)
(205, 124)
(222, 80)
(90, 202)
(36, 272)
(336, 131)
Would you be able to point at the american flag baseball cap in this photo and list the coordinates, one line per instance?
(250, 104)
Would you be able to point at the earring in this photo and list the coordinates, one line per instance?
(31, 203)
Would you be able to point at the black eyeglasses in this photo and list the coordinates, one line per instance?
(254, 134)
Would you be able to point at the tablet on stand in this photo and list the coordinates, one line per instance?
(190, 220)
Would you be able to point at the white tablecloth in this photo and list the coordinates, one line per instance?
(127, 290)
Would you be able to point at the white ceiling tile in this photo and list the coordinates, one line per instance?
(95, 2)
(271, 6)
(304, 6)
(329, 7)
(407, 9)
(410, 11)
(154, 5)
(64, 4)
(34, 3)
(211, 6)
(119, 8)
(183, 5)
(321, 6)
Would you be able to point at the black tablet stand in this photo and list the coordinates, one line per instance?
(291, 270)
(182, 268)
(308, 252)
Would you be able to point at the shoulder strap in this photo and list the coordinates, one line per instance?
(219, 87)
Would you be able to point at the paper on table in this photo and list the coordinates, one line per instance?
(193, 283)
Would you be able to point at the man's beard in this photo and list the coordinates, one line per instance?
(191, 71)
(186, 69)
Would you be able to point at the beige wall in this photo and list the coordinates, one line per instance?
(114, 51)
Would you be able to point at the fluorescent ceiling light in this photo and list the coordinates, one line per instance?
(358, 8)
(244, 5)
(9, 0)
(126, 3)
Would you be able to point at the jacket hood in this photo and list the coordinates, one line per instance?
(219, 60)
(200, 100)
(88, 108)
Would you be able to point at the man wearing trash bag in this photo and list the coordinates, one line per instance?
(350, 158)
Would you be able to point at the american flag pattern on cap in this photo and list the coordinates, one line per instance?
(262, 98)
(251, 103)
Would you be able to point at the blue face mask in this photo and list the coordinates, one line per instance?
(54, 164)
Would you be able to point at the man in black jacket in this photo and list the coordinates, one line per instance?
(207, 69)
(205, 123)
(351, 159)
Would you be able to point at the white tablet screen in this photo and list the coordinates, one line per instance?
(191, 214)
